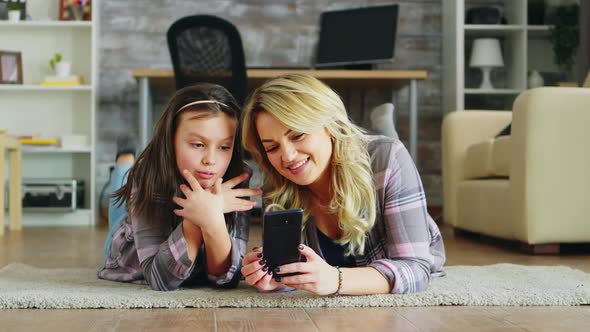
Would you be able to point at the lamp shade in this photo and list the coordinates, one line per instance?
(486, 52)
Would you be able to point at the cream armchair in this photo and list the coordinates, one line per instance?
(532, 186)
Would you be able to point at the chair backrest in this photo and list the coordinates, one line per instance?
(209, 49)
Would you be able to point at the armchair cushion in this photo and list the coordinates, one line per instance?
(501, 152)
(478, 160)
(487, 159)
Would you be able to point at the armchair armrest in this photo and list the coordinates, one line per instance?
(459, 131)
(550, 164)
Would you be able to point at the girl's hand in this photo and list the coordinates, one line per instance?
(231, 197)
(256, 273)
(317, 276)
(200, 206)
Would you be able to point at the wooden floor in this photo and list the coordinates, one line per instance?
(82, 247)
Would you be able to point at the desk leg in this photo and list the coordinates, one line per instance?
(414, 120)
(145, 103)
(2, 187)
(15, 191)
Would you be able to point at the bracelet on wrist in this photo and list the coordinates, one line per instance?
(337, 293)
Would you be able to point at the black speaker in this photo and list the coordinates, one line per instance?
(484, 15)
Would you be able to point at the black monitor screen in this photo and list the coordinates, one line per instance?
(357, 36)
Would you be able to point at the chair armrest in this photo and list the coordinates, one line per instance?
(550, 164)
(459, 131)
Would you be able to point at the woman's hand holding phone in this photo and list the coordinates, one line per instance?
(282, 244)
(315, 275)
(256, 273)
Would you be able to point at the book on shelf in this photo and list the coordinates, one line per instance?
(71, 80)
(38, 141)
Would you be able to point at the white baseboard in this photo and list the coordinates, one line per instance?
(80, 217)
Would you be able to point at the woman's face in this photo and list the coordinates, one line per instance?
(203, 144)
(303, 158)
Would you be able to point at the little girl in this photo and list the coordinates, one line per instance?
(182, 225)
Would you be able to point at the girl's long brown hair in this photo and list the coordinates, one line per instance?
(154, 179)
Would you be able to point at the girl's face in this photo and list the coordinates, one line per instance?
(303, 158)
(203, 144)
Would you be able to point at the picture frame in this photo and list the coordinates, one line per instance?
(75, 10)
(11, 67)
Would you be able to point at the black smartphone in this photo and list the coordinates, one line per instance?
(281, 235)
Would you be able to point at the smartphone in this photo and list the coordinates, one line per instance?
(281, 235)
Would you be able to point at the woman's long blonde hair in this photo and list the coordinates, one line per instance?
(304, 104)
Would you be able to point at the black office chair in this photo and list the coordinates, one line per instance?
(209, 49)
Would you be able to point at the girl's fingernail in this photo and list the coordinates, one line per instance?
(262, 262)
(277, 269)
(265, 268)
(270, 273)
(300, 247)
(259, 255)
(278, 279)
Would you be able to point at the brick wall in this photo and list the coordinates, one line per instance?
(274, 33)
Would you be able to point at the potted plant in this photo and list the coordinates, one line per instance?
(564, 36)
(59, 66)
(13, 12)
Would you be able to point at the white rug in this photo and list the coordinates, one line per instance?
(23, 286)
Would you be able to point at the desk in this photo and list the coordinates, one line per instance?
(393, 79)
(15, 183)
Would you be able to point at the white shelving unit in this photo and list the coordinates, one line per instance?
(46, 23)
(525, 47)
(37, 87)
(53, 111)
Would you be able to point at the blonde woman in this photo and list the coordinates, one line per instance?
(366, 227)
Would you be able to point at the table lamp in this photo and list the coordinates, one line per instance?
(486, 53)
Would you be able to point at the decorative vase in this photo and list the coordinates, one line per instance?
(14, 15)
(535, 80)
(62, 69)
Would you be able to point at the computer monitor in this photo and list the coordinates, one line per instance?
(360, 36)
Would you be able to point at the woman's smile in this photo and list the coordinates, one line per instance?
(298, 167)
